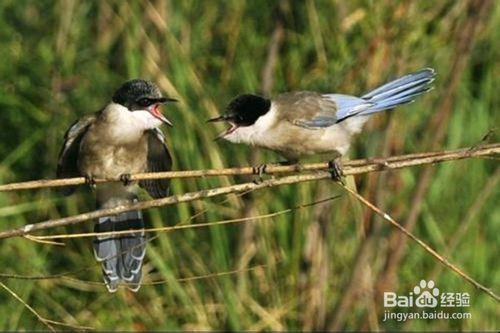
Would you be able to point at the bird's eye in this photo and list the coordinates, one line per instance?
(144, 102)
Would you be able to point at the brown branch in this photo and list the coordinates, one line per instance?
(350, 168)
(355, 167)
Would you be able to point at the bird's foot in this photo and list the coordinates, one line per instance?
(259, 170)
(90, 181)
(335, 170)
(125, 179)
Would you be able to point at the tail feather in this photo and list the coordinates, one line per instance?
(425, 73)
(121, 256)
(399, 91)
(135, 283)
(405, 98)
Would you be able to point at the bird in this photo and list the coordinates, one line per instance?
(301, 123)
(121, 139)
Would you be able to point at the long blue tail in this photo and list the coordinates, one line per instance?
(399, 91)
(121, 256)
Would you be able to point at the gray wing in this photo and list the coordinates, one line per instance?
(67, 165)
(319, 111)
(159, 160)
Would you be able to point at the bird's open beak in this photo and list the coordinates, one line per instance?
(155, 110)
(227, 118)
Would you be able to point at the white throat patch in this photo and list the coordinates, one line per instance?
(126, 125)
(257, 133)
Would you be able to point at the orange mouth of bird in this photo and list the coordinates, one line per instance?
(155, 111)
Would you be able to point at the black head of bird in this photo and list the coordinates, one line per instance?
(242, 111)
(140, 95)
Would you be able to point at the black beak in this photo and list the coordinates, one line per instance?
(219, 118)
(164, 100)
(225, 117)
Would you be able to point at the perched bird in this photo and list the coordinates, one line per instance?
(301, 123)
(121, 139)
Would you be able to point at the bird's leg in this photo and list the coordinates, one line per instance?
(335, 169)
(260, 170)
(125, 179)
(90, 180)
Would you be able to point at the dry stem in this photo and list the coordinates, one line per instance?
(355, 167)
(350, 168)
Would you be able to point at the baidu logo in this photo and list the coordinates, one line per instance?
(427, 294)
(426, 297)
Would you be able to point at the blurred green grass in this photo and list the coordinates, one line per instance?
(63, 59)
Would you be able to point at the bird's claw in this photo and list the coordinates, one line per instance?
(258, 181)
(335, 170)
(259, 170)
(90, 181)
(125, 179)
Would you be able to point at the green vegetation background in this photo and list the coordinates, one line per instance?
(321, 267)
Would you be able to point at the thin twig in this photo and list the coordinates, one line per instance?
(45, 321)
(183, 226)
(40, 318)
(206, 276)
(381, 164)
(39, 240)
(350, 168)
(162, 229)
(426, 247)
(65, 276)
(180, 280)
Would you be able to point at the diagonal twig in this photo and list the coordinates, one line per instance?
(40, 318)
(426, 247)
(45, 321)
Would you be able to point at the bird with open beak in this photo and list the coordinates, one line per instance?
(301, 123)
(121, 139)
